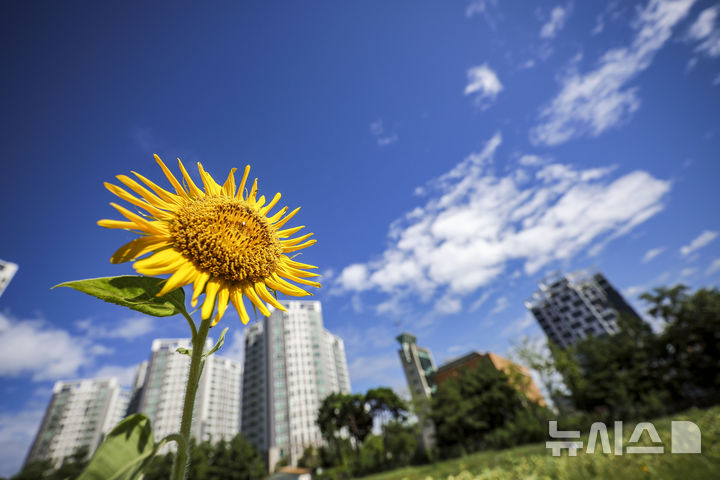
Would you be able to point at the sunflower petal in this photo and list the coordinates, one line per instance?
(180, 278)
(273, 202)
(173, 181)
(168, 197)
(282, 222)
(253, 192)
(285, 287)
(263, 293)
(249, 292)
(152, 210)
(241, 189)
(159, 228)
(299, 247)
(237, 300)
(211, 290)
(117, 224)
(223, 298)
(211, 186)
(192, 188)
(229, 185)
(138, 247)
(198, 286)
(288, 231)
(295, 241)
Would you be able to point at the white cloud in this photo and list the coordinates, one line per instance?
(518, 326)
(484, 85)
(652, 253)
(479, 302)
(377, 129)
(700, 241)
(706, 31)
(41, 351)
(17, 431)
(127, 329)
(531, 160)
(501, 304)
(124, 375)
(591, 103)
(714, 267)
(555, 23)
(474, 222)
(686, 272)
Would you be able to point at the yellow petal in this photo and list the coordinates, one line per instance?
(295, 241)
(301, 280)
(260, 202)
(241, 190)
(294, 264)
(273, 202)
(296, 272)
(263, 293)
(237, 301)
(184, 275)
(211, 290)
(192, 188)
(160, 269)
(299, 247)
(211, 187)
(288, 231)
(173, 181)
(168, 197)
(249, 292)
(284, 220)
(223, 298)
(281, 285)
(117, 224)
(138, 247)
(253, 192)
(229, 185)
(155, 212)
(163, 257)
(200, 282)
(159, 228)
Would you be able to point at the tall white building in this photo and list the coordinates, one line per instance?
(79, 415)
(571, 306)
(7, 271)
(291, 364)
(159, 392)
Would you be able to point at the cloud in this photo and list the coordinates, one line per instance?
(558, 15)
(652, 253)
(501, 304)
(700, 241)
(591, 103)
(125, 375)
(714, 267)
(126, 329)
(706, 31)
(484, 85)
(17, 431)
(518, 326)
(41, 351)
(377, 129)
(485, 8)
(475, 222)
(686, 272)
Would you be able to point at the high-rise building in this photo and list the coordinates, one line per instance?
(159, 392)
(419, 366)
(7, 271)
(291, 364)
(571, 306)
(79, 415)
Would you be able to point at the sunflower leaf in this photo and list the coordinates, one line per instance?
(124, 453)
(184, 351)
(219, 344)
(137, 292)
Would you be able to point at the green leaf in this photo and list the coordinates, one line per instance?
(184, 351)
(133, 291)
(219, 344)
(126, 450)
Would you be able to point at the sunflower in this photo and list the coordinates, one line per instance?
(222, 240)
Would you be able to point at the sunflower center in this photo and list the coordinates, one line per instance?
(226, 238)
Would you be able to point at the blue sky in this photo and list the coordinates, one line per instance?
(447, 156)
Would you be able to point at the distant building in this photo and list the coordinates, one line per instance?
(419, 367)
(518, 374)
(159, 392)
(571, 306)
(7, 272)
(291, 364)
(79, 415)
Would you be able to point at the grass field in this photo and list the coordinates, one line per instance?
(536, 461)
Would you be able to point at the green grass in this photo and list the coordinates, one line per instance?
(536, 462)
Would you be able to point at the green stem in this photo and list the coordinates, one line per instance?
(196, 366)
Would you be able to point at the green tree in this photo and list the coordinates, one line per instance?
(467, 408)
(338, 411)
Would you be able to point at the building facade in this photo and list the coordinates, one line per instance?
(159, 392)
(419, 367)
(79, 415)
(291, 364)
(571, 306)
(7, 272)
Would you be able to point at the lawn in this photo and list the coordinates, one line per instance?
(536, 462)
